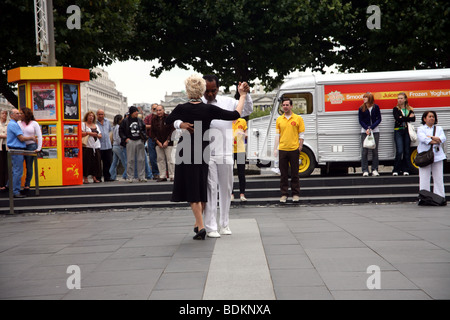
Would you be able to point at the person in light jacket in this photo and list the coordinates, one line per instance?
(436, 141)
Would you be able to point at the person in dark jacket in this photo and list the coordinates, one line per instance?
(403, 113)
(369, 116)
(161, 133)
(133, 134)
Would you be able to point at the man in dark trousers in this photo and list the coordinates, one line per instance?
(106, 153)
(290, 130)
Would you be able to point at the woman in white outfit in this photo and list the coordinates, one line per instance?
(436, 141)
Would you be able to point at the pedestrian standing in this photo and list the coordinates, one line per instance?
(106, 153)
(133, 133)
(119, 152)
(239, 135)
(289, 140)
(91, 150)
(3, 151)
(369, 116)
(15, 139)
(161, 133)
(403, 114)
(430, 135)
(151, 145)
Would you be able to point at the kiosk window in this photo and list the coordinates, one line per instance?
(303, 103)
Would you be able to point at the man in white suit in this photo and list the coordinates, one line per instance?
(220, 178)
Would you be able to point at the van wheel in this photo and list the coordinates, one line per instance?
(307, 163)
(415, 168)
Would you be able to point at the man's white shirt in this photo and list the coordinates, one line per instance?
(221, 129)
(225, 128)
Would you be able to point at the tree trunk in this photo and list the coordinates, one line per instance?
(7, 92)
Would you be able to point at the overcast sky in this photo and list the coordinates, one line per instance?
(133, 79)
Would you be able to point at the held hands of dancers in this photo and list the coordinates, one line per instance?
(243, 89)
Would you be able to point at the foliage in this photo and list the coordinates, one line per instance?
(237, 40)
(260, 113)
(105, 35)
(413, 34)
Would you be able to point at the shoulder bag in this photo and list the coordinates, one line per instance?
(412, 132)
(425, 158)
(85, 138)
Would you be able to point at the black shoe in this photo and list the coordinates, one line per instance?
(161, 180)
(200, 235)
(19, 195)
(196, 229)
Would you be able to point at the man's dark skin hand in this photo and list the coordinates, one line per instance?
(188, 126)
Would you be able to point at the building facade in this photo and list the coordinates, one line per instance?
(101, 93)
(4, 104)
(261, 100)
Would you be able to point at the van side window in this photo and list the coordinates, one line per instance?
(303, 103)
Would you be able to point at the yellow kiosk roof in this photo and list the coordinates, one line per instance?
(48, 73)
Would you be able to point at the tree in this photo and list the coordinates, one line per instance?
(238, 40)
(106, 34)
(412, 34)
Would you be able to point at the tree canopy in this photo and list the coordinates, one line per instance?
(412, 34)
(107, 28)
(237, 40)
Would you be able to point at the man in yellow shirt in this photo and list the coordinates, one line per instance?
(289, 138)
(239, 134)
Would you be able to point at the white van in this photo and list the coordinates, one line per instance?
(329, 107)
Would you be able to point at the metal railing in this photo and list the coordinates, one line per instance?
(12, 152)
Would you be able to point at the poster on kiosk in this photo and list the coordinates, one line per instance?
(53, 95)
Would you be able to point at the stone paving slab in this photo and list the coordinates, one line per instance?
(308, 252)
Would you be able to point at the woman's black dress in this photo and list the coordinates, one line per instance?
(191, 167)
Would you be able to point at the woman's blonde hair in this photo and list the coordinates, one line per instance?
(195, 86)
(407, 106)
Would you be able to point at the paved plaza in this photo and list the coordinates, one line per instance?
(371, 251)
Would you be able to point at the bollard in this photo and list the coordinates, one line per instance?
(10, 176)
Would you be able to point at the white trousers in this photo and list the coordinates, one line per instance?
(436, 169)
(220, 180)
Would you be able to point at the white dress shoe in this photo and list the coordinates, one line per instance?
(225, 231)
(213, 234)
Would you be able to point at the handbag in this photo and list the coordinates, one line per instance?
(85, 138)
(369, 141)
(412, 132)
(425, 158)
